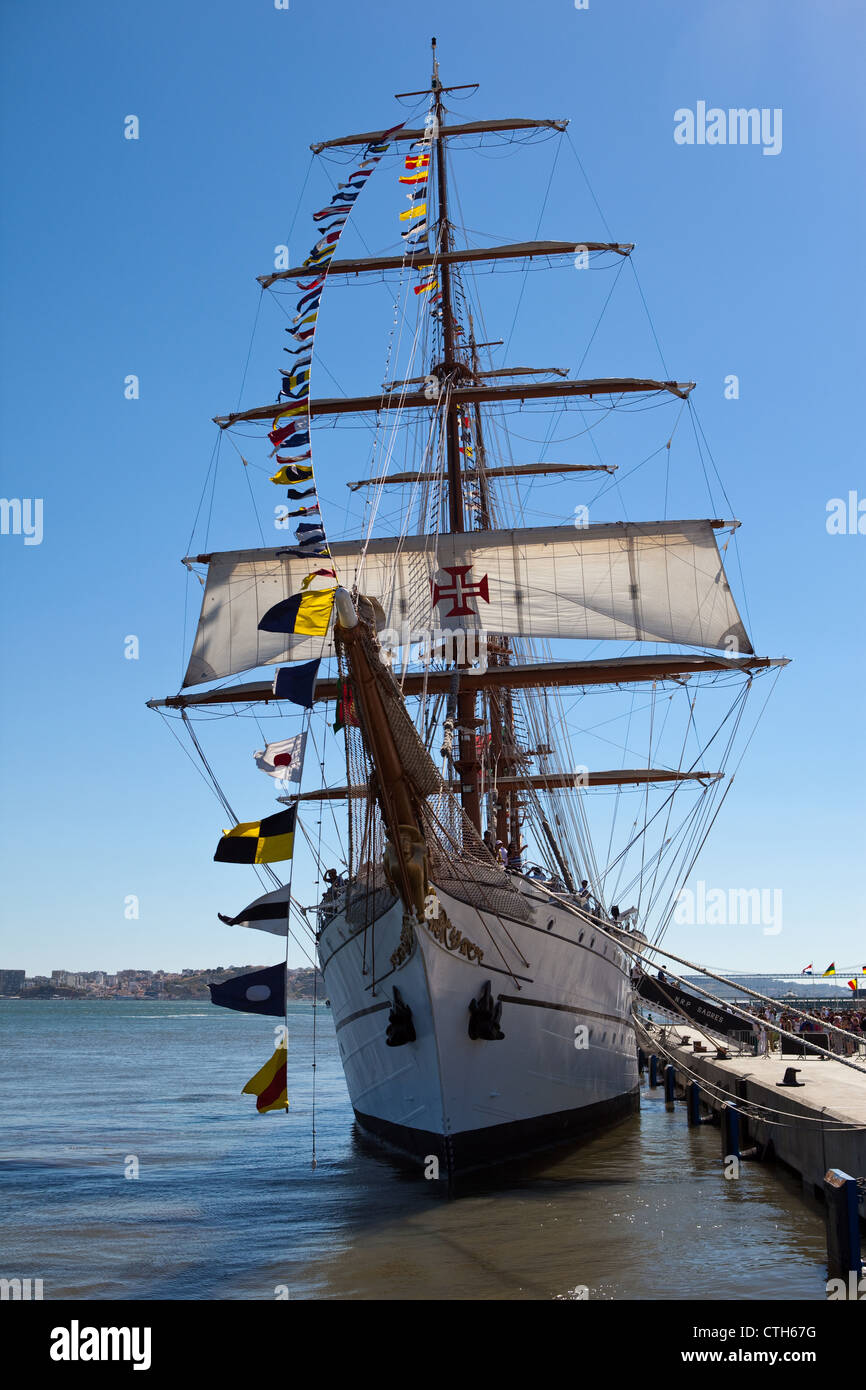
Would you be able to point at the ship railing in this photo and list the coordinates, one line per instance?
(332, 903)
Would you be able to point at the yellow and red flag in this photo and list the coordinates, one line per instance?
(269, 1085)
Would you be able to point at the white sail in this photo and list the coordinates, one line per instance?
(653, 582)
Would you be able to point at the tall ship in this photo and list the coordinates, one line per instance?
(495, 882)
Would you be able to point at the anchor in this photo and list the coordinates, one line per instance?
(401, 1029)
(484, 1016)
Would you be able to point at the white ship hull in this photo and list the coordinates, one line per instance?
(566, 1065)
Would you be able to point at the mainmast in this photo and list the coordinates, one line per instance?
(497, 704)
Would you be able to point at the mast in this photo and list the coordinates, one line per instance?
(497, 705)
(448, 367)
(449, 370)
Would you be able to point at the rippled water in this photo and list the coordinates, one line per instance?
(228, 1205)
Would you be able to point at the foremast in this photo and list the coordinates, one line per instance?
(449, 372)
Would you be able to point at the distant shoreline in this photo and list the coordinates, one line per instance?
(31, 997)
(131, 986)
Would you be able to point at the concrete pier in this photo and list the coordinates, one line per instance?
(810, 1139)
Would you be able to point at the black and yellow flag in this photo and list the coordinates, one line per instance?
(293, 473)
(259, 842)
(308, 613)
(270, 1085)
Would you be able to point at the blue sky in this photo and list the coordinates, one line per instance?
(139, 257)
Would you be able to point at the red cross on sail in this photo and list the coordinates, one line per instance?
(460, 589)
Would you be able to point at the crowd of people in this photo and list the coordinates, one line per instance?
(847, 1016)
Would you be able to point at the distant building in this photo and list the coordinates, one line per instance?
(12, 981)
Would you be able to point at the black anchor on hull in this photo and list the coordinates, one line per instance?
(484, 1016)
(401, 1029)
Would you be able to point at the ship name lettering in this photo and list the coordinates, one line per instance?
(452, 938)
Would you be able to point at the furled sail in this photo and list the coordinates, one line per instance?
(658, 581)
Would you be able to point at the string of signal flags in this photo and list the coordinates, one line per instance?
(308, 613)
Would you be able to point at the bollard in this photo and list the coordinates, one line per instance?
(653, 1070)
(693, 1103)
(670, 1082)
(843, 1224)
(730, 1119)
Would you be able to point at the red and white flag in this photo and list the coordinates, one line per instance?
(283, 760)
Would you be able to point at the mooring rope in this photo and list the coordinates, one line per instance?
(637, 953)
(741, 1104)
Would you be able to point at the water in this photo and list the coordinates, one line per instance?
(227, 1204)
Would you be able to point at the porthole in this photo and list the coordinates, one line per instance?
(579, 938)
(550, 924)
(592, 943)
